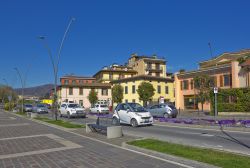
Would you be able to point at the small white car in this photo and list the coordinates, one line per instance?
(133, 114)
(99, 108)
(71, 110)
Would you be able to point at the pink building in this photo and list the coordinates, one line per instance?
(76, 89)
(224, 69)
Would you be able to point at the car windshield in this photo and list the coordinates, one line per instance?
(137, 107)
(73, 106)
(104, 106)
(41, 105)
(28, 105)
(171, 106)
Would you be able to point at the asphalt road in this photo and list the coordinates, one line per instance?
(231, 141)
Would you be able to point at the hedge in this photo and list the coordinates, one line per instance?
(232, 100)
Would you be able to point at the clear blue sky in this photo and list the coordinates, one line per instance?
(108, 31)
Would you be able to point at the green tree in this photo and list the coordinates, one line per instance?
(92, 97)
(146, 92)
(117, 93)
(202, 85)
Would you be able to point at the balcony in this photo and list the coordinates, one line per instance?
(156, 69)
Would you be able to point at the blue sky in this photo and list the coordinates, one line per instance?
(109, 31)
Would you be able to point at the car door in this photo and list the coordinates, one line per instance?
(123, 114)
(63, 109)
(162, 110)
(153, 110)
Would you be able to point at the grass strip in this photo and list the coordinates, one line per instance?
(21, 113)
(213, 157)
(60, 123)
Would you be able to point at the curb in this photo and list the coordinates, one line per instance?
(173, 158)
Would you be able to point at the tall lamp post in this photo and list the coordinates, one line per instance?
(9, 96)
(55, 62)
(22, 83)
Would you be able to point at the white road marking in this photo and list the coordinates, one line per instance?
(208, 129)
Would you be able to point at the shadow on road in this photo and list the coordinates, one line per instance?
(232, 139)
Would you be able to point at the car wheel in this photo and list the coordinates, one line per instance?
(166, 115)
(115, 121)
(68, 115)
(134, 123)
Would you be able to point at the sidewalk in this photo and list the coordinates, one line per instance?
(25, 143)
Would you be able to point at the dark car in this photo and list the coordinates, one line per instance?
(163, 110)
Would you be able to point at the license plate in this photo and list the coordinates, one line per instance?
(146, 120)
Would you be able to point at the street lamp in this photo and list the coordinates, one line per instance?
(55, 62)
(22, 83)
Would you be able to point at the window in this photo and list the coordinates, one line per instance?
(157, 66)
(126, 100)
(184, 85)
(80, 91)
(110, 76)
(133, 100)
(104, 92)
(81, 103)
(80, 81)
(70, 91)
(192, 84)
(93, 81)
(227, 80)
(133, 89)
(126, 89)
(149, 66)
(166, 89)
(159, 89)
(213, 81)
(157, 74)
(73, 82)
(66, 82)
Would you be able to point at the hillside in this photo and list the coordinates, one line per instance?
(38, 91)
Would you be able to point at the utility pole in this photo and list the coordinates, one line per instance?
(55, 62)
(23, 85)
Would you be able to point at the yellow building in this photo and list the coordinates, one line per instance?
(164, 88)
(114, 72)
(149, 69)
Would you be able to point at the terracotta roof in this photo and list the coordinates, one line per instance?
(246, 63)
(143, 77)
(89, 85)
(76, 77)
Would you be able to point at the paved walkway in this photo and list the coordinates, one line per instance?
(25, 143)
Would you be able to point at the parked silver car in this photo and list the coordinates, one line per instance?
(27, 107)
(40, 108)
(163, 110)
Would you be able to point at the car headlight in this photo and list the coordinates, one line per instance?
(138, 114)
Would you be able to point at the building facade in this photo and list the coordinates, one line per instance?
(114, 72)
(149, 69)
(77, 88)
(225, 71)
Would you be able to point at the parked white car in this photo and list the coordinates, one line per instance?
(99, 108)
(133, 114)
(71, 110)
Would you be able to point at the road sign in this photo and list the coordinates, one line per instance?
(215, 90)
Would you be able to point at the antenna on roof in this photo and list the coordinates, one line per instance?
(210, 48)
